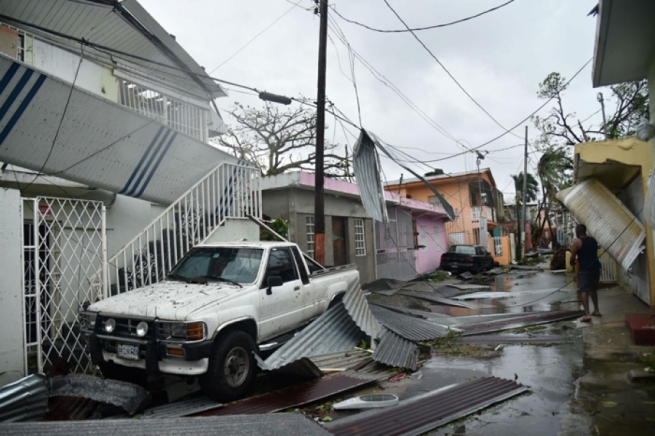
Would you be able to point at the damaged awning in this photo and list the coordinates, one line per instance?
(608, 220)
(366, 163)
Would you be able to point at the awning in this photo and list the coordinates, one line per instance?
(615, 228)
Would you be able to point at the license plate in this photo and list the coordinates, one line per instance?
(128, 351)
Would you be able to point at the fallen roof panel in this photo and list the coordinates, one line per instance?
(357, 307)
(331, 332)
(295, 395)
(396, 351)
(509, 294)
(518, 322)
(180, 408)
(344, 360)
(424, 413)
(24, 400)
(409, 327)
(425, 314)
(279, 424)
(440, 300)
(469, 287)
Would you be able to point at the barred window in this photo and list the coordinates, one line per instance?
(360, 241)
(309, 223)
(433, 199)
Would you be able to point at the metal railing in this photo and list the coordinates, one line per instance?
(498, 246)
(229, 191)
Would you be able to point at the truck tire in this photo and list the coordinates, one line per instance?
(232, 367)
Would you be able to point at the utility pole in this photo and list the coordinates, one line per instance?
(319, 205)
(600, 99)
(525, 193)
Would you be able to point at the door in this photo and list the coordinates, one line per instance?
(280, 307)
(339, 240)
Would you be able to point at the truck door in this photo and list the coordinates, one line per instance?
(280, 308)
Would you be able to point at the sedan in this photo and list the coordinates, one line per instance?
(473, 258)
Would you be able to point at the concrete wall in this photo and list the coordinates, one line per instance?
(234, 230)
(296, 205)
(12, 357)
(432, 234)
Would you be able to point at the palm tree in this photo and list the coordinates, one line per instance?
(554, 171)
(530, 195)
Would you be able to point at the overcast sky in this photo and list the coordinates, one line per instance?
(499, 58)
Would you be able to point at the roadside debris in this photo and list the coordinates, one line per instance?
(426, 412)
(128, 396)
(396, 351)
(367, 402)
(296, 395)
(409, 327)
(24, 400)
(180, 408)
(440, 300)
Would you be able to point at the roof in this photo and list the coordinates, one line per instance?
(445, 176)
(305, 180)
(624, 41)
(121, 26)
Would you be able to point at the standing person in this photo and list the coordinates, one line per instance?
(585, 248)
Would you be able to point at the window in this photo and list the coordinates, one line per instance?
(433, 199)
(280, 265)
(309, 222)
(435, 236)
(178, 115)
(12, 42)
(360, 241)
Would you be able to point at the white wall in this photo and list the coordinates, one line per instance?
(12, 356)
(234, 230)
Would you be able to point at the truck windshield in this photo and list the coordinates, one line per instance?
(229, 264)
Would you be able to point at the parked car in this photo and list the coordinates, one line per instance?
(217, 307)
(472, 258)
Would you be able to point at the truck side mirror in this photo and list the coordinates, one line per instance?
(273, 282)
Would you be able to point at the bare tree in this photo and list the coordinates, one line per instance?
(276, 140)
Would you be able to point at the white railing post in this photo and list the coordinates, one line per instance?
(105, 272)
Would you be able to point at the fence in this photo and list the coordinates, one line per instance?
(229, 191)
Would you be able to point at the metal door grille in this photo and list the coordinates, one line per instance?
(395, 254)
(65, 250)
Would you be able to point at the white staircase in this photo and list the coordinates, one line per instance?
(229, 191)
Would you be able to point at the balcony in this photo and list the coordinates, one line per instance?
(484, 211)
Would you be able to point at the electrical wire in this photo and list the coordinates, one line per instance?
(417, 29)
(459, 85)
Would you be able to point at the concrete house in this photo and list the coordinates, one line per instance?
(108, 175)
(478, 205)
(409, 245)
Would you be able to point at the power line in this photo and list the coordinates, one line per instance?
(416, 29)
(256, 36)
(447, 71)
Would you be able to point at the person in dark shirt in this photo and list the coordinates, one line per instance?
(585, 248)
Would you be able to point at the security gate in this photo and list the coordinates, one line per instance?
(64, 253)
(395, 246)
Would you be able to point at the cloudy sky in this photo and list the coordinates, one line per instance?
(499, 58)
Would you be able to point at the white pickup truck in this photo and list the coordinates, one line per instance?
(218, 305)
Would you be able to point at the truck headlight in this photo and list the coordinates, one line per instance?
(142, 329)
(110, 325)
(184, 331)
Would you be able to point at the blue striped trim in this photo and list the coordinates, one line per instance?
(154, 169)
(23, 105)
(143, 158)
(149, 163)
(14, 93)
(8, 76)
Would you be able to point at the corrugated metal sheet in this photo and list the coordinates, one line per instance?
(296, 395)
(128, 396)
(331, 332)
(279, 424)
(615, 228)
(106, 26)
(180, 408)
(24, 400)
(300, 369)
(392, 154)
(514, 339)
(357, 307)
(424, 413)
(409, 327)
(101, 143)
(425, 314)
(511, 294)
(469, 287)
(366, 165)
(440, 300)
(396, 351)
(518, 322)
(342, 360)
(70, 409)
